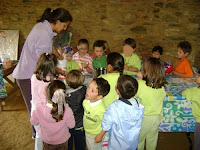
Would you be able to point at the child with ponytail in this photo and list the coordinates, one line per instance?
(55, 118)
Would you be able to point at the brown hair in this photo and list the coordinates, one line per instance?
(46, 66)
(127, 86)
(51, 88)
(154, 73)
(75, 79)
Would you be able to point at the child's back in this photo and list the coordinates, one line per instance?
(123, 118)
(74, 97)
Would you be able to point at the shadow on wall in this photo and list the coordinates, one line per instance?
(21, 43)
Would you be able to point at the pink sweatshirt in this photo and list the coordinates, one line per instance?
(52, 132)
(38, 90)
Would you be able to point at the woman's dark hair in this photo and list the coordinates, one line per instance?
(75, 79)
(46, 66)
(131, 42)
(127, 86)
(102, 85)
(116, 60)
(58, 14)
(154, 73)
(51, 88)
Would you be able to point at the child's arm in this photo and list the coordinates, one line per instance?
(86, 66)
(70, 117)
(99, 137)
(179, 74)
(188, 93)
(132, 69)
(34, 118)
(55, 52)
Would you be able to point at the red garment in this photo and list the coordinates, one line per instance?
(183, 67)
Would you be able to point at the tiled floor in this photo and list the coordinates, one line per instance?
(15, 130)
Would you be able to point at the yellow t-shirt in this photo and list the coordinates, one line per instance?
(112, 95)
(152, 99)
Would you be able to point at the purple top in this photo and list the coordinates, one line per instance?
(38, 41)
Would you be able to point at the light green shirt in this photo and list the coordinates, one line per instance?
(93, 116)
(152, 99)
(193, 95)
(98, 63)
(132, 61)
(72, 65)
(112, 95)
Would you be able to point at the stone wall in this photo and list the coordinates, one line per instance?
(149, 22)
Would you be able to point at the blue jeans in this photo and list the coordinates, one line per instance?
(79, 139)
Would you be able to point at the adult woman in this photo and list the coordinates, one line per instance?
(39, 41)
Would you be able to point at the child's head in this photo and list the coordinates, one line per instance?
(127, 86)
(129, 46)
(154, 73)
(68, 53)
(184, 49)
(46, 66)
(97, 89)
(75, 79)
(99, 48)
(106, 47)
(115, 63)
(56, 95)
(157, 51)
(83, 47)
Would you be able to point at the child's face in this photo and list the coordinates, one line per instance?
(181, 54)
(156, 54)
(128, 50)
(83, 49)
(68, 57)
(99, 51)
(92, 92)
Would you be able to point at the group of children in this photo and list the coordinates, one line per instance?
(115, 111)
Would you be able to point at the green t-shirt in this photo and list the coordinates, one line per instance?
(72, 65)
(193, 95)
(132, 61)
(112, 95)
(93, 117)
(98, 63)
(151, 98)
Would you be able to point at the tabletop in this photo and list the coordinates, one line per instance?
(177, 111)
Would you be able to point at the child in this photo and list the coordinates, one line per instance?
(157, 52)
(151, 94)
(132, 61)
(193, 95)
(183, 68)
(55, 118)
(82, 57)
(44, 73)
(75, 96)
(100, 59)
(94, 110)
(123, 118)
(71, 64)
(106, 49)
(114, 67)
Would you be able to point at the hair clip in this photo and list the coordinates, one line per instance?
(46, 54)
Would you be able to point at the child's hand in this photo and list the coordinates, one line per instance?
(98, 138)
(85, 65)
(126, 67)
